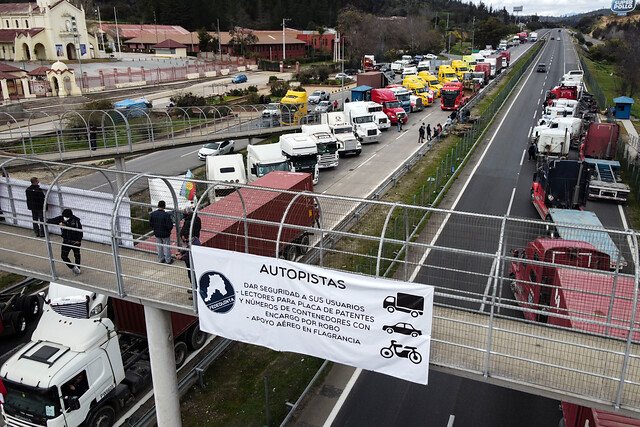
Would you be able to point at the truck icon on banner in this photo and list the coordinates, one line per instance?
(406, 303)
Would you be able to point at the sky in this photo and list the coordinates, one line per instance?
(549, 7)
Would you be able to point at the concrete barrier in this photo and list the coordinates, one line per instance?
(252, 67)
(192, 76)
(131, 84)
(241, 68)
(224, 72)
(210, 73)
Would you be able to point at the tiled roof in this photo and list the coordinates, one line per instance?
(264, 37)
(6, 68)
(168, 44)
(31, 31)
(185, 39)
(129, 31)
(40, 71)
(19, 8)
(8, 35)
(7, 76)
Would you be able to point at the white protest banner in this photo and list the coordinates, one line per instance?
(377, 324)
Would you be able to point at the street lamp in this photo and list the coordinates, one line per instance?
(76, 39)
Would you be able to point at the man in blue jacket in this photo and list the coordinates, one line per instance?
(71, 230)
(161, 223)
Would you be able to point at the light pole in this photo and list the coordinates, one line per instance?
(284, 54)
(101, 40)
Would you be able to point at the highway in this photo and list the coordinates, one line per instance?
(499, 185)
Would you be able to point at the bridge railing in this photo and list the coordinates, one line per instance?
(501, 311)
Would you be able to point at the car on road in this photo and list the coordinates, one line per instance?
(343, 76)
(542, 68)
(402, 328)
(239, 78)
(552, 38)
(317, 96)
(216, 148)
(431, 56)
(324, 107)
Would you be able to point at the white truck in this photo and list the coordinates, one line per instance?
(553, 142)
(343, 131)
(379, 117)
(502, 45)
(302, 152)
(364, 128)
(533, 37)
(77, 303)
(229, 168)
(397, 67)
(573, 124)
(326, 142)
(574, 75)
(265, 158)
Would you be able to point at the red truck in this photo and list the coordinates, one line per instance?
(582, 298)
(559, 184)
(506, 54)
(391, 106)
(600, 141)
(561, 92)
(484, 67)
(220, 230)
(452, 96)
(522, 36)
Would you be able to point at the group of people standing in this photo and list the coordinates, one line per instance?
(70, 225)
(425, 132)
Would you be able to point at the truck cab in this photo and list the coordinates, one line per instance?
(78, 303)
(559, 184)
(343, 132)
(403, 95)
(432, 82)
(302, 152)
(364, 127)
(391, 106)
(230, 169)
(460, 68)
(470, 60)
(265, 158)
(447, 74)
(553, 142)
(561, 92)
(452, 96)
(379, 117)
(600, 141)
(416, 85)
(293, 107)
(326, 142)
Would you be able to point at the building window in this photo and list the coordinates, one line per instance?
(17, 25)
(7, 22)
(26, 24)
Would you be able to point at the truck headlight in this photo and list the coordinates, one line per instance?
(96, 310)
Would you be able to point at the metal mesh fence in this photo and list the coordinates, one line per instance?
(512, 300)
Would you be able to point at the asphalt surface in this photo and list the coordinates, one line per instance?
(499, 186)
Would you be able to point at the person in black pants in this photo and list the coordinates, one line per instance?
(35, 203)
(71, 230)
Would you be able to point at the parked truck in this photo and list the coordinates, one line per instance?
(460, 68)
(553, 142)
(561, 92)
(559, 184)
(379, 117)
(403, 95)
(446, 74)
(327, 144)
(364, 127)
(368, 62)
(432, 82)
(407, 303)
(600, 141)
(265, 158)
(343, 132)
(293, 107)
(452, 96)
(533, 37)
(605, 181)
(361, 93)
(18, 309)
(76, 303)
(263, 217)
(302, 152)
(506, 56)
(229, 168)
(484, 67)
(497, 63)
(391, 106)
(573, 124)
(374, 79)
(419, 88)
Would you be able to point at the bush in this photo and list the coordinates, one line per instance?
(252, 89)
(187, 100)
(279, 88)
(98, 104)
(273, 79)
(580, 38)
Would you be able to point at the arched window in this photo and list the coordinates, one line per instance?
(26, 24)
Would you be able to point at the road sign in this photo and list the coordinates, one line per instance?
(622, 7)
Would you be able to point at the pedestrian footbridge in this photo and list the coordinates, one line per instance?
(479, 330)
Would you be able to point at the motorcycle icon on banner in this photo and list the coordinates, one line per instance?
(401, 351)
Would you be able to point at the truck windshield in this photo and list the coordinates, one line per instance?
(374, 109)
(33, 402)
(343, 129)
(450, 75)
(305, 163)
(420, 90)
(463, 69)
(327, 147)
(404, 97)
(263, 169)
(393, 104)
(363, 119)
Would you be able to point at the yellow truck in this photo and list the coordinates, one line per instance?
(418, 86)
(460, 67)
(293, 107)
(470, 60)
(446, 74)
(432, 82)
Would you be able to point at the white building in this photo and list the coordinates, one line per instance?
(45, 30)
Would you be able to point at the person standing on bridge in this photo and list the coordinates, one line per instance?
(71, 230)
(421, 134)
(162, 225)
(35, 203)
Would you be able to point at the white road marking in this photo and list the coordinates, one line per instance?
(513, 193)
(539, 100)
(451, 419)
(542, 90)
(534, 115)
(190, 153)
(342, 398)
(529, 134)
(366, 161)
(99, 186)
(524, 152)
(401, 135)
(466, 184)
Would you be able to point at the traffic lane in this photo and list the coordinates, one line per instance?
(393, 402)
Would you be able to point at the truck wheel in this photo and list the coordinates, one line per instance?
(391, 309)
(304, 244)
(31, 306)
(105, 416)
(196, 338)
(358, 152)
(18, 322)
(290, 253)
(180, 350)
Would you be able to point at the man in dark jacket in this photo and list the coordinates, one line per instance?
(71, 230)
(162, 225)
(35, 203)
(190, 217)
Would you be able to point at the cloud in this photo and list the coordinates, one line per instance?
(549, 7)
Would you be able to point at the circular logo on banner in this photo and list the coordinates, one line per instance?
(217, 292)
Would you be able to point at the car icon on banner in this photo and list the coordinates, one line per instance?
(402, 328)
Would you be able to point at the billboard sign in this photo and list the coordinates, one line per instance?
(517, 8)
(373, 323)
(622, 7)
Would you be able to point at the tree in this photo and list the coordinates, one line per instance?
(628, 54)
(241, 39)
(205, 40)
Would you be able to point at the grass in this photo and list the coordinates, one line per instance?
(8, 279)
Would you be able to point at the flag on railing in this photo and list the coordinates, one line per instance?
(188, 189)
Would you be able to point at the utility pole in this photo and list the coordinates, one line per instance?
(219, 42)
(115, 16)
(101, 40)
(155, 23)
(473, 32)
(284, 53)
(448, 35)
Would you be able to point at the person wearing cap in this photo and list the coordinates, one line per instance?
(161, 223)
(190, 217)
(35, 203)
(71, 230)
